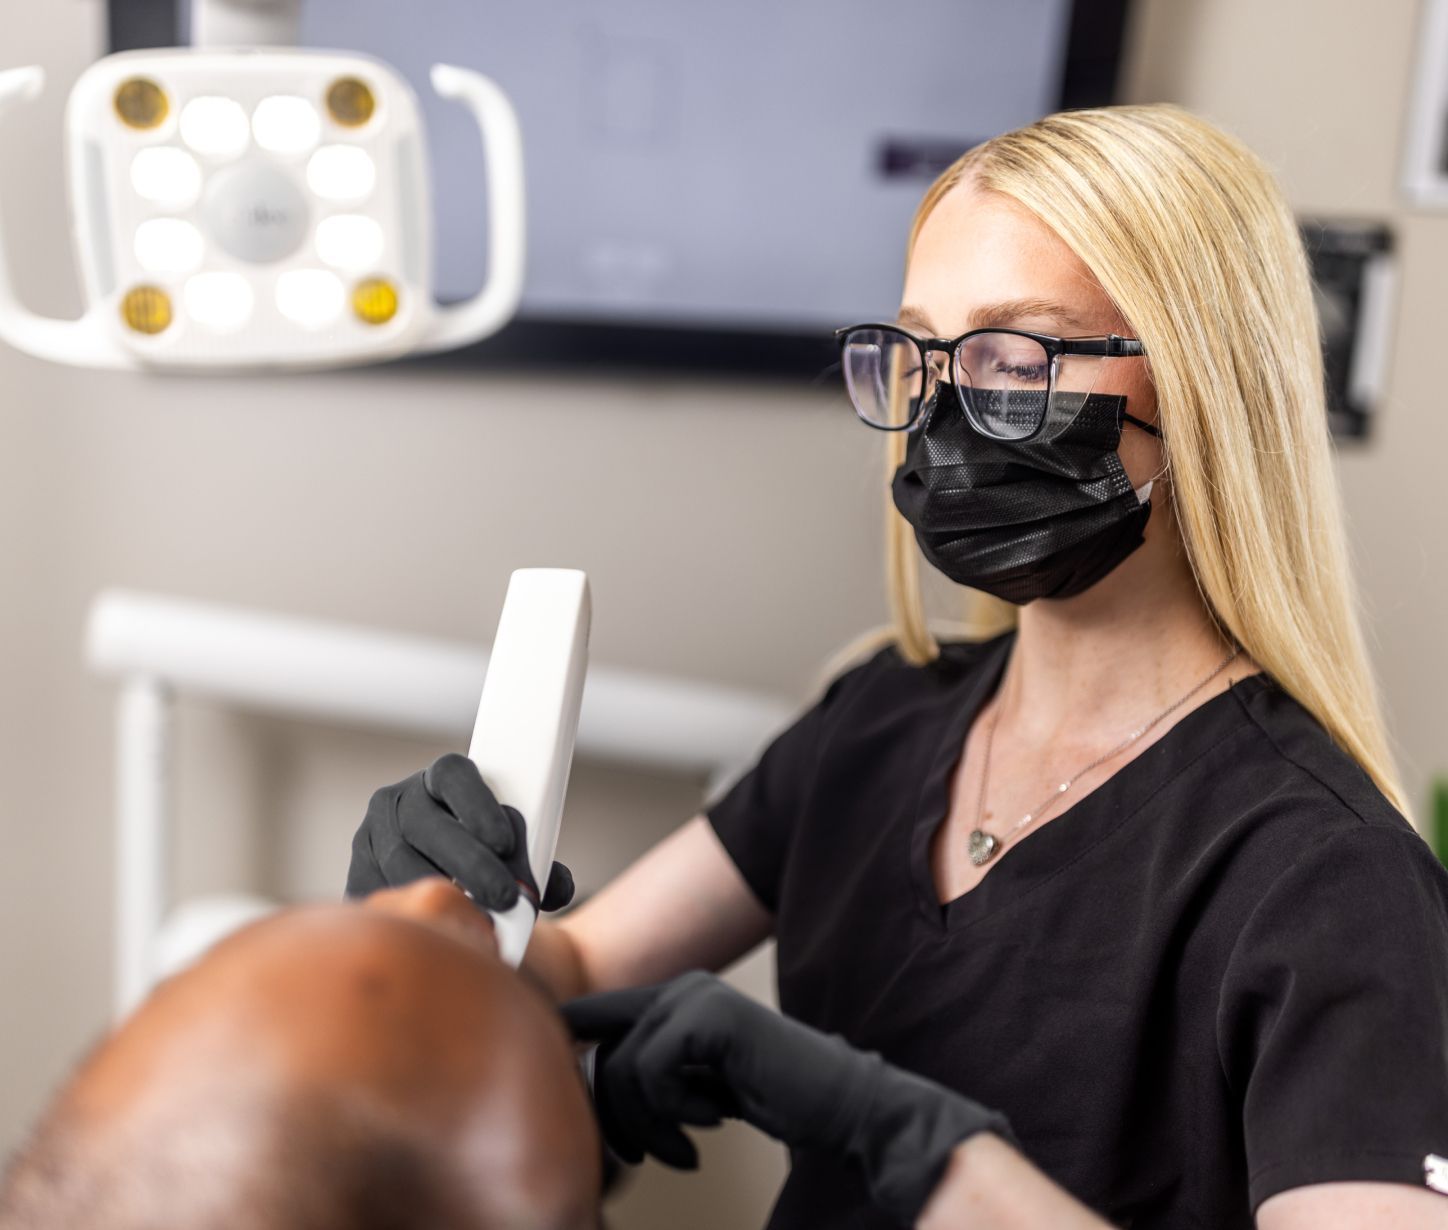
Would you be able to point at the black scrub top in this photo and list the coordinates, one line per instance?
(1221, 974)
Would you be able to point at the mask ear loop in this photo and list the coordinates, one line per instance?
(1143, 493)
(1151, 429)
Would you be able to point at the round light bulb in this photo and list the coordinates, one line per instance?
(312, 298)
(215, 126)
(147, 309)
(168, 245)
(351, 102)
(142, 104)
(375, 301)
(350, 241)
(285, 124)
(220, 301)
(341, 173)
(165, 175)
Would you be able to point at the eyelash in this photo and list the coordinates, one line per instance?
(1032, 372)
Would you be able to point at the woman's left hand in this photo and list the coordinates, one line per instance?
(694, 1051)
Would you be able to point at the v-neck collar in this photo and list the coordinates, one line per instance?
(1039, 855)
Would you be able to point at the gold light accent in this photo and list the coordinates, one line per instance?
(147, 309)
(375, 301)
(351, 102)
(142, 103)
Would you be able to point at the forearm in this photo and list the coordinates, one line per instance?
(682, 906)
(589, 949)
(554, 963)
(991, 1186)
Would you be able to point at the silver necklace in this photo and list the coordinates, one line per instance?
(984, 846)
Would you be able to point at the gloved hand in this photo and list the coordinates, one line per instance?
(445, 821)
(694, 1051)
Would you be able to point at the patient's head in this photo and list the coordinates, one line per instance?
(337, 1066)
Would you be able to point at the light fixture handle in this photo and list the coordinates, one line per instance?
(464, 323)
(81, 343)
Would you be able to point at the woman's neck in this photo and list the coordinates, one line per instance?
(1110, 658)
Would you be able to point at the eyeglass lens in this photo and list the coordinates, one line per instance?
(884, 376)
(1004, 381)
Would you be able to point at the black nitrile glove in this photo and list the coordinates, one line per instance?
(445, 821)
(694, 1051)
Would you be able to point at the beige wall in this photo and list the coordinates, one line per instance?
(1321, 88)
(730, 530)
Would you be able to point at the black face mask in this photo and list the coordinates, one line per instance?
(1021, 520)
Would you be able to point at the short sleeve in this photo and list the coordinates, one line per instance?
(1333, 1019)
(755, 817)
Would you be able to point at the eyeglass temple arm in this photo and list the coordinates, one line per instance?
(1111, 347)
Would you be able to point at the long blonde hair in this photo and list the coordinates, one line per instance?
(1188, 233)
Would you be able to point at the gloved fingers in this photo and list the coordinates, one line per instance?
(623, 1100)
(454, 781)
(700, 1113)
(695, 1096)
(642, 1105)
(632, 1127)
(364, 875)
(517, 863)
(685, 1024)
(642, 1099)
(759, 1062)
(632, 1132)
(616, 1121)
(707, 1020)
(401, 864)
(363, 881)
(560, 888)
(673, 1147)
(607, 1015)
(676, 1086)
(456, 852)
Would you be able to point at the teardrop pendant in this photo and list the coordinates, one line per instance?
(983, 847)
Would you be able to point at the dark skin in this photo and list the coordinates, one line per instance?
(401, 1003)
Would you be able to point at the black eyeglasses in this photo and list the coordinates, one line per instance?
(1005, 379)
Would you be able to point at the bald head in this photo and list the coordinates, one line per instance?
(348, 1066)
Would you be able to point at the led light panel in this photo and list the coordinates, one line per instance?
(264, 208)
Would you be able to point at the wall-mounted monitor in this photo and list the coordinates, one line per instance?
(710, 185)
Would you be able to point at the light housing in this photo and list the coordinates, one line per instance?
(170, 147)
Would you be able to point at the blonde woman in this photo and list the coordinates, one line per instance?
(1133, 874)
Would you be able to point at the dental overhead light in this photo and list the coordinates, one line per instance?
(240, 208)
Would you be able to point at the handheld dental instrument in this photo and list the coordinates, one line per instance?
(528, 719)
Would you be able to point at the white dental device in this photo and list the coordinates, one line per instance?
(528, 719)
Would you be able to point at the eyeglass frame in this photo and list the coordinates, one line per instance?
(1112, 346)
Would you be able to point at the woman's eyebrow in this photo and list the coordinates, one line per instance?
(915, 316)
(1008, 311)
(1003, 314)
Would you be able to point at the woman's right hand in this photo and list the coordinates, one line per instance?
(446, 821)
